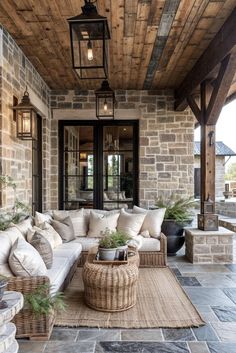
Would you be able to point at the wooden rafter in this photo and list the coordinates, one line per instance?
(223, 43)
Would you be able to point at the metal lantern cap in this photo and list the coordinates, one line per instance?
(105, 89)
(25, 103)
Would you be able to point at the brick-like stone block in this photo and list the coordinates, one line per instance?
(201, 249)
(199, 239)
(211, 239)
(217, 249)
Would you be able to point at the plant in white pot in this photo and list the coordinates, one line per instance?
(122, 240)
(107, 248)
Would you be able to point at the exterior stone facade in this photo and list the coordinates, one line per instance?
(16, 72)
(165, 144)
(208, 247)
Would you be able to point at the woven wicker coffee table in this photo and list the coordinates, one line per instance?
(110, 287)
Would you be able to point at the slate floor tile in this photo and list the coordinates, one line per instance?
(232, 277)
(198, 347)
(64, 334)
(225, 313)
(99, 335)
(142, 335)
(217, 280)
(69, 347)
(142, 347)
(206, 296)
(226, 331)
(176, 271)
(181, 334)
(222, 347)
(30, 347)
(189, 282)
(205, 333)
(203, 268)
(231, 293)
(231, 267)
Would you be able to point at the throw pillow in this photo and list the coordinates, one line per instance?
(23, 226)
(48, 232)
(41, 218)
(130, 223)
(78, 219)
(64, 228)
(24, 260)
(152, 221)
(42, 245)
(100, 223)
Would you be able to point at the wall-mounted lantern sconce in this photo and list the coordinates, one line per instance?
(26, 118)
(105, 101)
(89, 33)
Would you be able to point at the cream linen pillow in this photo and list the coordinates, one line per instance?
(48, 232)
(152, 221)
(78, 219)
(24, 260)
(23, 226)
(130, 223)
(41, 218)
(42, 245)
(100, 223)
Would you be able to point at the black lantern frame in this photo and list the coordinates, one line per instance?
(26, 118)
(105, 101)
(89, 33)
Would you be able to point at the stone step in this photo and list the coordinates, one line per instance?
(13, 348)
(7, 337)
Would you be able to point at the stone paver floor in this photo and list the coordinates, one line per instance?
(212, 288)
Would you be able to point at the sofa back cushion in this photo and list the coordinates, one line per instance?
(99, 223)
(42, 245)
(65, 229)
(24, 225)
(7, 239)
(152, 221)
(24, 260)
(42, 217)
(130, 223)
(78, 219)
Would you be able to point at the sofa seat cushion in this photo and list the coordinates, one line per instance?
(87, 243)
(6, 271)
(150, 244)
(69, 250)
(58, 273)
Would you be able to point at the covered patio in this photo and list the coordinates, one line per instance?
(171, 66)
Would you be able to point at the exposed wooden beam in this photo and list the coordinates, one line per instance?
(193, 105)
(231, 98)
(223, 43)
(221, 88)
(167, 18)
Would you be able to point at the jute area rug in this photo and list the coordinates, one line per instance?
(161, 302)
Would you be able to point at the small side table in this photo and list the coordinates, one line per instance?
(15, 302)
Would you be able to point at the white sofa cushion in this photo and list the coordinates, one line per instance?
(6, 271)
(78, 219)
(152, 221)
(24, 260)
(86, 243)
(150, 244)
(98, 223)
(71, 250)
(130, 223)
(57, 273)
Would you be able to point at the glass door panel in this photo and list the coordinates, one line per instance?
(78, 167)
(117, 167)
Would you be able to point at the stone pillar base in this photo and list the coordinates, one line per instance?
(209, 247)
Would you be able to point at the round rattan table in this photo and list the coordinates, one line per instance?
(110, 287)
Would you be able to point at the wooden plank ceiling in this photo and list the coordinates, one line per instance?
(154, 44)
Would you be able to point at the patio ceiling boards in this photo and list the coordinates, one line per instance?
(154, 45)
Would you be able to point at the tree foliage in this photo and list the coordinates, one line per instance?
(231, 172)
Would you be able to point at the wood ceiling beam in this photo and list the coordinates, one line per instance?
(167, 18)
(223, 43)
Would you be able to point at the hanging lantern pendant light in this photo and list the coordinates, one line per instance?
(105, 101)
(89, 34)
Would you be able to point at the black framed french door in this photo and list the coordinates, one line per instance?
(98, 164)
(37, 168)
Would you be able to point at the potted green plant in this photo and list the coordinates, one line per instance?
(40, 302)
(179, 213)
(107, 247)
(122, 240)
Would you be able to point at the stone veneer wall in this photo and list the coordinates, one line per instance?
(16, 155)
(166, 158)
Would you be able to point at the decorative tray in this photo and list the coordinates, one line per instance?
(114, 262)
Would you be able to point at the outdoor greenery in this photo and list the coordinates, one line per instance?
(113, 239)
(41, 303)
(19, 210)
(231, 172)
(178, 208)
